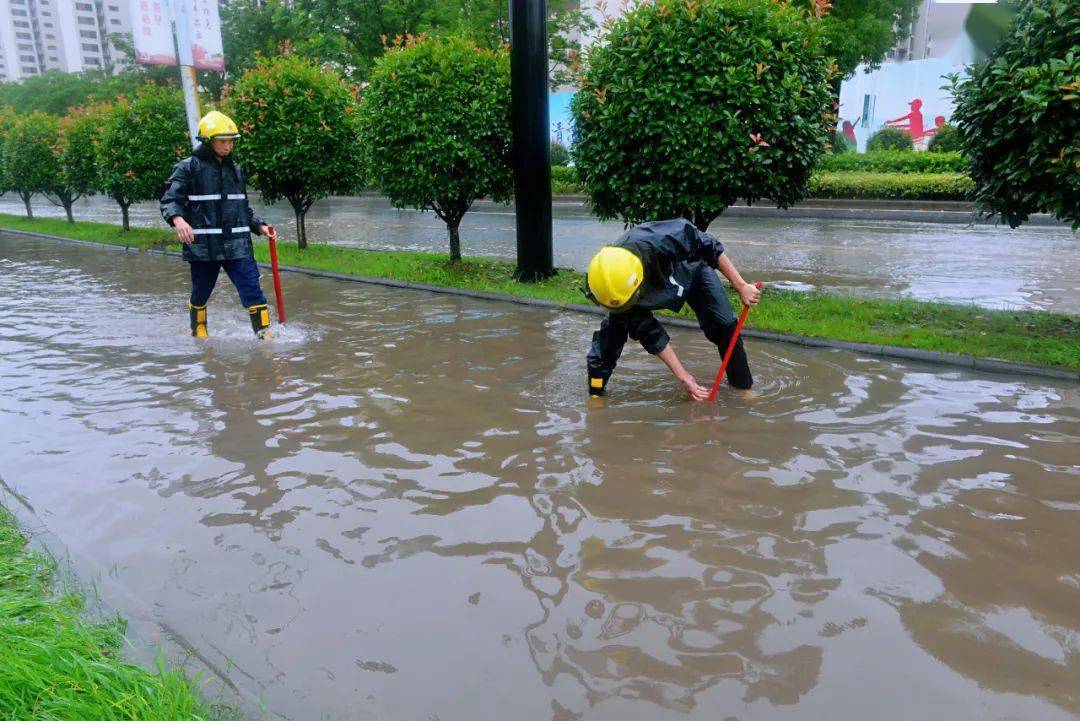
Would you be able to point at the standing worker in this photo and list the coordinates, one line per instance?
(661, 265)
(206, 203)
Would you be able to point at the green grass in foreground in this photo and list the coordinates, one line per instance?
(1029, 336)
(55, 665)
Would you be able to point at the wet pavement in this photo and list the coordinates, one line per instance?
(403, 507)
(990, 266)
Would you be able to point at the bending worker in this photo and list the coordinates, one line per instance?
(206, 203)
(661, 265)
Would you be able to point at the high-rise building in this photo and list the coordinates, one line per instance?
(68, 35)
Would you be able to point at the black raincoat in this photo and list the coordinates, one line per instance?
(212, 198)
(678, 262)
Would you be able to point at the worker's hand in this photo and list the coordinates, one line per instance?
(183, 230)
(696, 392)
(750, 294)
(264, 229)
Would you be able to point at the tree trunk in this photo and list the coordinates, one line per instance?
(300, 205)
(124, 210)
(67, 209)
(301, 230)
(455, 240)
(26, 201)
(702, 219)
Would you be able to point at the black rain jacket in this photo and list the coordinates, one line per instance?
(671, 251)
(212, 198)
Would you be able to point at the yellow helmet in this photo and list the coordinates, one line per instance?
(614, 277)
(217, 125)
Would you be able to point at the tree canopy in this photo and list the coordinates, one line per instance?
(1018, 114)
(299, 139)
(687, 107)
(435, 122)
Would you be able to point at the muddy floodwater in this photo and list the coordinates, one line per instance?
(403, 507)
(1032, 267)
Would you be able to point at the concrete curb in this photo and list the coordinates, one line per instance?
(956, 360)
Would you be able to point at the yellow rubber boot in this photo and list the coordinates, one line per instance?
(260, 320)
(198, 320)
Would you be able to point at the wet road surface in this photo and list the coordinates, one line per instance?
(994, 267)
(404, 508)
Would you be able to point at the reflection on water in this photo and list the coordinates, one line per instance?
(404, 507)
(985, 265)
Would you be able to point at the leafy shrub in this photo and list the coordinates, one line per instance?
(1019, 117)
(945, 140)
(560, 154)
(842, 144)
(564, 180)
(889, 139)
(31, 165)
(141, 141)
(299, 138)
(689, 105)
(436, 127)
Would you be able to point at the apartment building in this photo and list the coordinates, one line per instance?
(68, 35)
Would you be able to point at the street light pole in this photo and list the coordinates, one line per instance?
(532, 147)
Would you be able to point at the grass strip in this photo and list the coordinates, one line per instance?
(56, 665)
(1039, 337)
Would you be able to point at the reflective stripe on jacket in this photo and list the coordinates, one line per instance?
(212, 198)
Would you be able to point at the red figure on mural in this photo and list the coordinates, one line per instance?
(848, 130)
(912, 123)
(939, 122)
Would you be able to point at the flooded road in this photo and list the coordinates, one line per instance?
(404, 508)
(1032, 267)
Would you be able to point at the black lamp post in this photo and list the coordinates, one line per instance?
(532, 148)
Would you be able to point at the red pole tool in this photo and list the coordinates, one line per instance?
(277, 277)
(730, 348)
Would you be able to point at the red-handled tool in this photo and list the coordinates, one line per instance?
(277, 277)
(730, 348)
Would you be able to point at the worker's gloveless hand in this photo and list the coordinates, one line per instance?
(183, 230)
(750, 294)
(696, 392)
(264, 229)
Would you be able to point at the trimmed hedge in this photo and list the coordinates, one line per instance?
(892, 186)
(843, 184)
(894, 161)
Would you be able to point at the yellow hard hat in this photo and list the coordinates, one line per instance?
(217, 125)
(615, 274)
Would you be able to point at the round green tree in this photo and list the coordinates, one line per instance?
(141, 141)
(7, 121)
(31, 162)
(436, 127)
(1019, 117)
(946, 139)
(842, 144)
(80, 141)
(688, 106)
(560, 154)
(889, 139)
(298, 127)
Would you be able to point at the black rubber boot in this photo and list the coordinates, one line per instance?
(260, 320)
(198, 320)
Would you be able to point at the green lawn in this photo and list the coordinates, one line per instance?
(1029, 336)
(56, 665)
